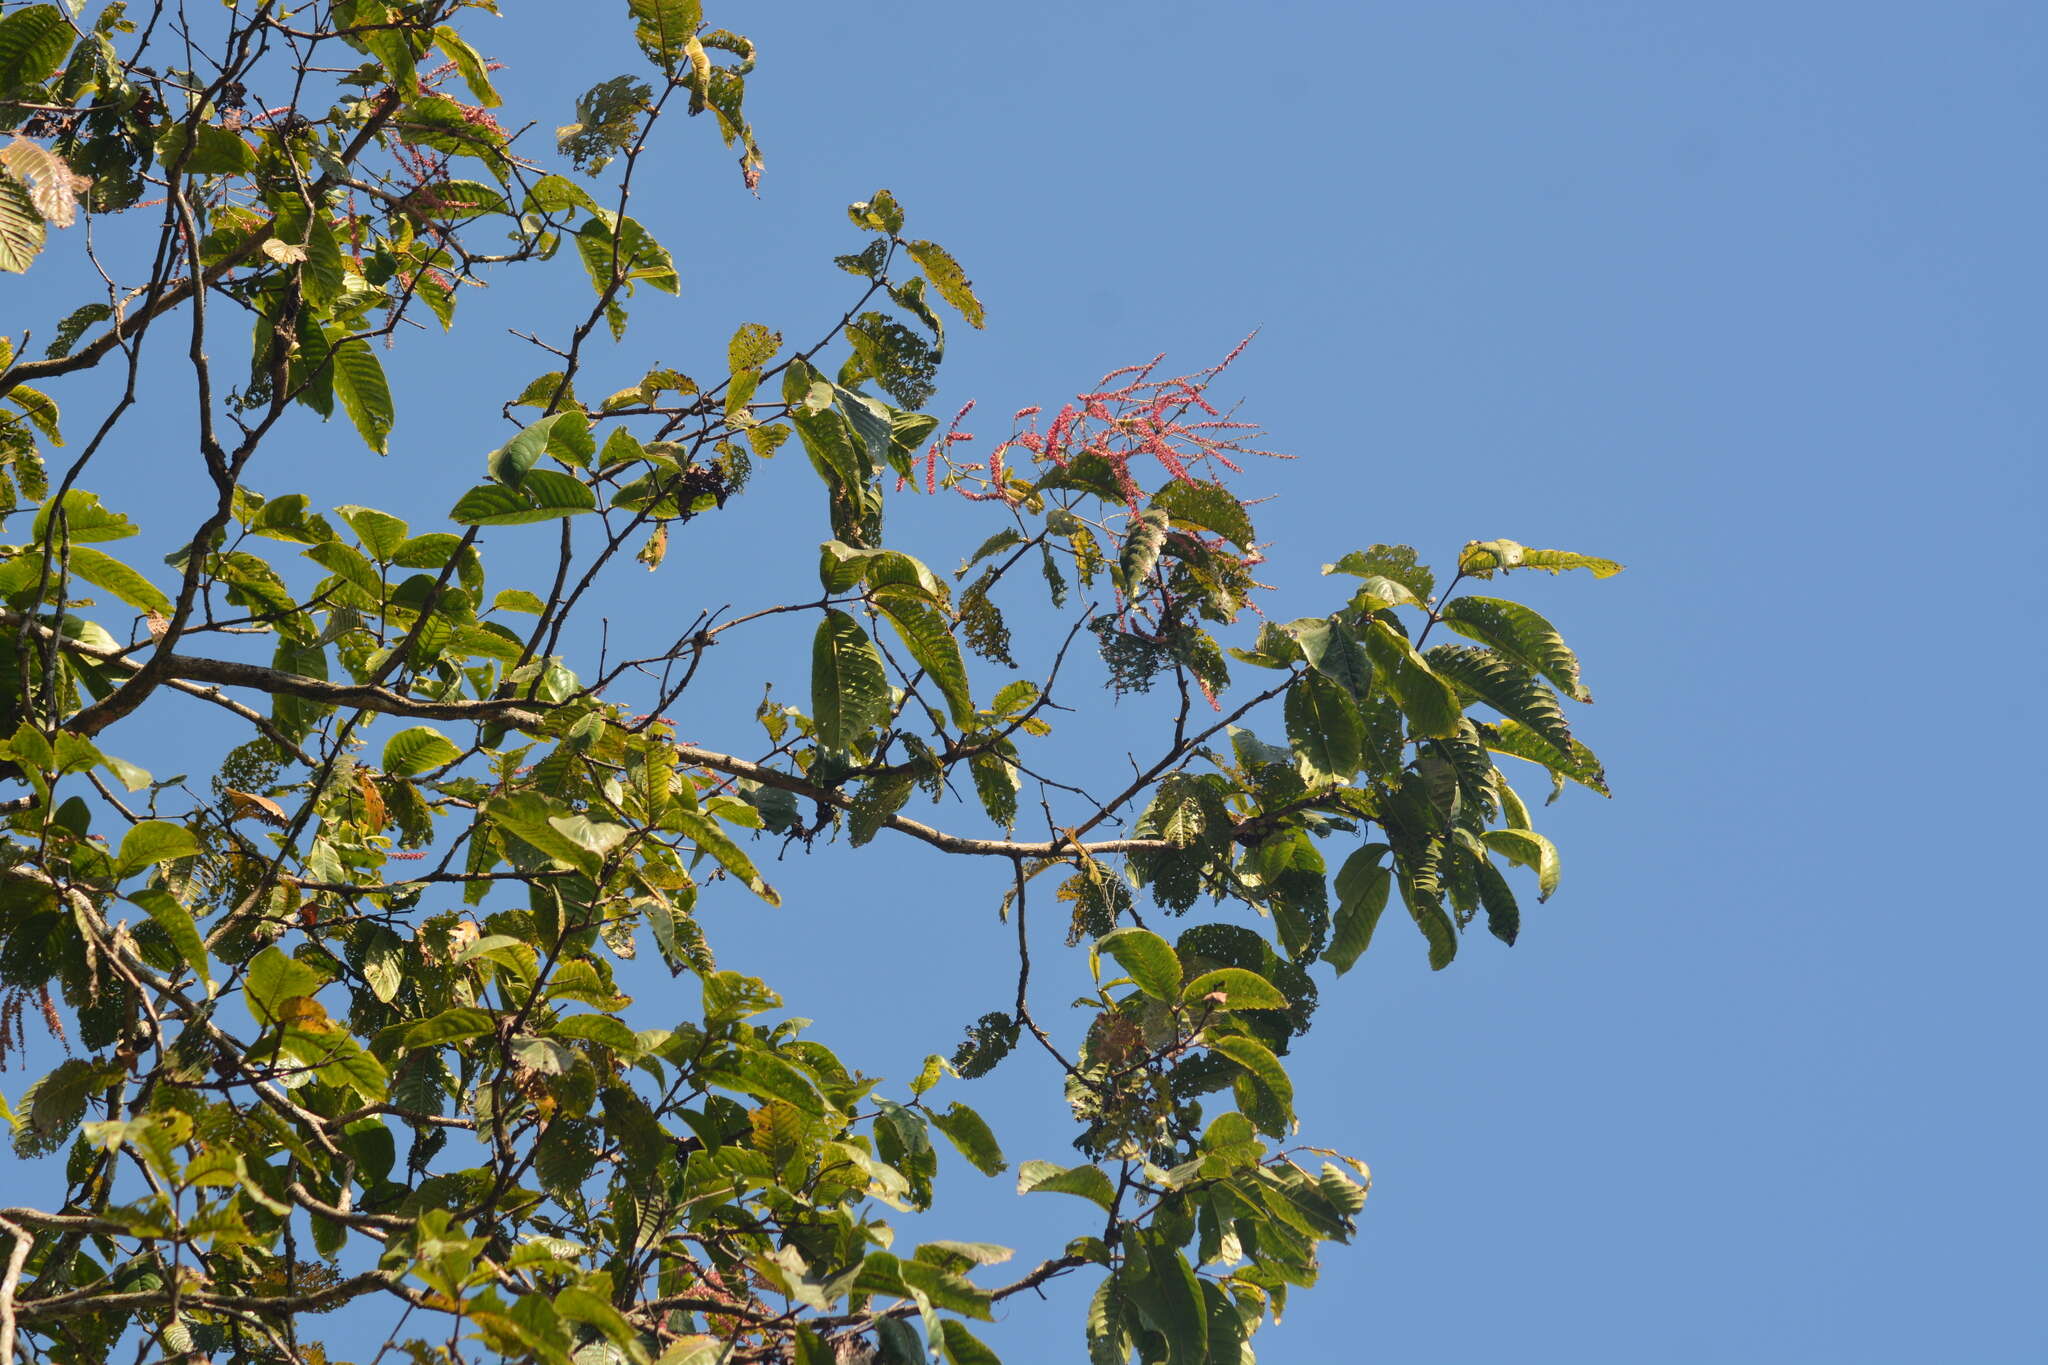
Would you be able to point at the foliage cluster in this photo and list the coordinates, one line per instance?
(346, 1030)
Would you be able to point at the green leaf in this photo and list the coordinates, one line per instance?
(930, 640)
(475, 71)
(752, 346)
(761, 1073)
(286, 519)
(418, 750)
(1396, 562)
(1519, 741)
(33, 42)
(1207, 507)
(21, 226)
(709, 838)
(1426, 908)
(873, 421)
(697, 1350)
(879, 214)
(152, 842)
(997, 781)
(350, 565)
(1001, 540)
(1482, 558)
(556, 193)
(1522, 635)
(40, 409)
(74, 326)
(52, 1107)
(103, 570)
(1090, 1182)
(879, 799)
(963, 1254)
(1503, 913)
(1240, 989)
(176, 922)
(1529, 849)
(1332, 651)
(1259, 1062)
(1504, 687)
(1324, 729)
(1362, 889)
(526, 815)
(382, 534)
(828, 437)
(366, 397)
(84, 519)
(1377, 594)
(626, 253)
(1147, 958)
(962, 1347)
(580, 1305)
(449, 1026)
(849, 687)
(1109, 1332)
(596, 836)
(273, 978)
(1427, 700)
(509, 462)
(954, 1293)
(840, 566)
(972, 1138)
(132, 777)
(664, 26)
(384, 963)
(543, 495)
(1169, 1298)
(501, 948)
(948, 278)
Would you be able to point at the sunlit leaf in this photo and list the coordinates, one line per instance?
(1529, 849)
(1147, 958)
(1504, 687)
(948, 278)
(543, 495)
(849, 688)
(418, 750)
(1521, 634)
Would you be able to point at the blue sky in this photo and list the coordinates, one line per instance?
(1745, 296)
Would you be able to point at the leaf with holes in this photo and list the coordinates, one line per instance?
(948, 278)
(1324, 729)
(1233, 988)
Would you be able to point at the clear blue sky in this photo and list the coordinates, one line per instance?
(1747, 296)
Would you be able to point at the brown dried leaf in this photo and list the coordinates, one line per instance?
(250, 806)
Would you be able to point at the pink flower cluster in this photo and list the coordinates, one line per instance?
(1129, 415)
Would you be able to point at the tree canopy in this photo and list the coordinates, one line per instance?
(342, 1028)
